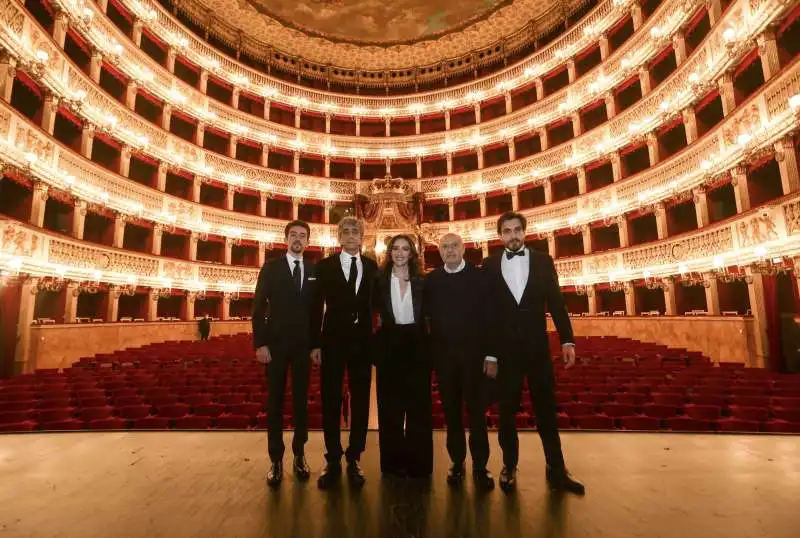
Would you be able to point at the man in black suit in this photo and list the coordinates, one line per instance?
(205, 327)
(456, 305)
(341, 341)
(522, 281)
(281, 317)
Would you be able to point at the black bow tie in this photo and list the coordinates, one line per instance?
(510, 255)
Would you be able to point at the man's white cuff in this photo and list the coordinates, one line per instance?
(491, 359)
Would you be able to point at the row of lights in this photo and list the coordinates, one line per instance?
(602, 83)
(532, 69)
(389, 153)
(745, 140)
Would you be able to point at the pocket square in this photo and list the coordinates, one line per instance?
(312, 278)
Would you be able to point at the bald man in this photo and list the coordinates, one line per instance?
(456, 309)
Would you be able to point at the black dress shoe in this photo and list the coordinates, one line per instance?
(354, 474)
(508, 479)
(301, 469)
(275, 474)
(455, 476)
(562, 482)
(483, 479)
(330, 475)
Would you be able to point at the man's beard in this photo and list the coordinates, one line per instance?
(297, 248)
(514, 245)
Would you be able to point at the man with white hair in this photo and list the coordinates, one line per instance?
(456, 304)
(341, 332)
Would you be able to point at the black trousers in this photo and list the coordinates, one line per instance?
(354, 358)
(511, 373)
(405, 424)
(462, 382)
(299, 362)
(204, 333)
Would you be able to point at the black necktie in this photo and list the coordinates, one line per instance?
(353, 276)
(510, 255)
(297, 276)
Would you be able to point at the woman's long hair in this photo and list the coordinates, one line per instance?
(413, 260)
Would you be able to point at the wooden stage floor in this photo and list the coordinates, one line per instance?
(211, 484)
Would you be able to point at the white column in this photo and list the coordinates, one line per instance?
(652, 148)
(477, 108)
(196, 187)
(38, 203)
(577, 129)
(419, 167)
(296, 162)
(661, 221)
(79, 219)
(741, 190)
(158, 232)
(591, 295)
(451, 210)
(49, 112)
(166, 119)
(200, 134)
(447, 120)
(515, 199)
(297, 117)
(690, 124)
(71, 291)
(24, 319)
(712, 296)
(119, 231)
(87, 140)
(417, 127)
(548, 191)
(512, 150)
(193, 239)
(755, 290)
(265, 155)
(482, 201)
(130, 94)
(551, 244)
(161, 179)
(295, 208)
(539, 84)
(136, 32)
(645, 80)
(387, 126)
(605, 49)
(622, 228)
(232, 141)
(479, 153)
(449, 158)
(125, 161)
(95, 65)
(670, 300)
(262, 204)
(228, 252)
(679, 46)
(202, 83)
(112, 307)
(235, 97)
(637, 16)
(586, 232)
(768, 51)
(582, 186)
(725, 84)
(188, 306)
(226, 306)
(170, 60)
(262, 254)
(631, 308)
(701, 207)
(787, 163)
(327, 166)
(152, 306)
(8, 72)
(611, 105)
(509, 103)
(571, 71)
(544, 140)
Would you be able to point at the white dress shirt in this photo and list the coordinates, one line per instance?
(344, 258)
(515, 273)
(291, 259)
(457, 269)
(402, 305)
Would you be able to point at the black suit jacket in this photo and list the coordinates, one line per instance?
(334, 305)
(522, 328)
(281, 315)
(382, 304)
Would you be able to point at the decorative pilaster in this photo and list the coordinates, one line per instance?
(616, 166)
(265, 155)
(38, 203)
(136, 32)
(661, 221)
(130, 94)
(652, 148)
(622, 228)
(515, 199)
(544, 140)
(512, 149)
(228, 252)
(193, 239)
(586, 233)
(726, 95)
(161, 177)
(8, 72)
(26, 310)
(551, 244)
(449, 158)
(125, 161)
(232, 142)
(60, 25)
(417, 124)
(479, 153)
(591, 296)
(787, 164)
(768, 52)
(701, 207)
(296, 162)
(158, 232)
(95, 65)
(112, 306)
(87, 140)
(577, 128)
(509, 103)
(631, 306)
(229, 195)
(477, 107)
(166, 121)
(79, 218)
(670, 299)
(235, 93)
(712, 296)
(605, 48)
(571, 71)
(262, 204)
(539, 84)
(548, 191)
(49, 112)
(119, 231)
(482, 201)
(741, 189)
(679, 46)
(71, 291)
(690, 124)
(581, 173)
(755, 290)
(196, 189)
(295, 208)
(200, 134)
(645, 80)
(202, 83)
(152, 305)
(611, 105)
(447, 120)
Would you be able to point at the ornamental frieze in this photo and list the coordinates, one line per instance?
(177, 270)
(569, 269)
(756, 230)
(220, 274)
(12, 15)
(791, 216)
(31, 140)
(602, 264)
(86, 257)
(18, 241)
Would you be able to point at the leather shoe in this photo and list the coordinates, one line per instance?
(563, 483)
(455, 476)
(301, 469)
(275, 474)
(508, 479)
(330, 475)
(354, 474)
(483, 479)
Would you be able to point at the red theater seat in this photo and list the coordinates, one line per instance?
(134, 412)
(688, 424)
(193, 422)
(639, 422)
(110, 423)
(593, 422)
(732, 424)
(703, 412)
(151, 423)
(209, 410)
(232, 422)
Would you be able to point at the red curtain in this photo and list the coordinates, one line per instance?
(776, 361)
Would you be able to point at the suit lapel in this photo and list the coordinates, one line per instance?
(529, 282)
(497, 262)
(416, 298)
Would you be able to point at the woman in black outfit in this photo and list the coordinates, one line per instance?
(404, 371)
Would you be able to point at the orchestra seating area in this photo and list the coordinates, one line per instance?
(619, 384)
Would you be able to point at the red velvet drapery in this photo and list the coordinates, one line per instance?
(776, 361)
(9, 317)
